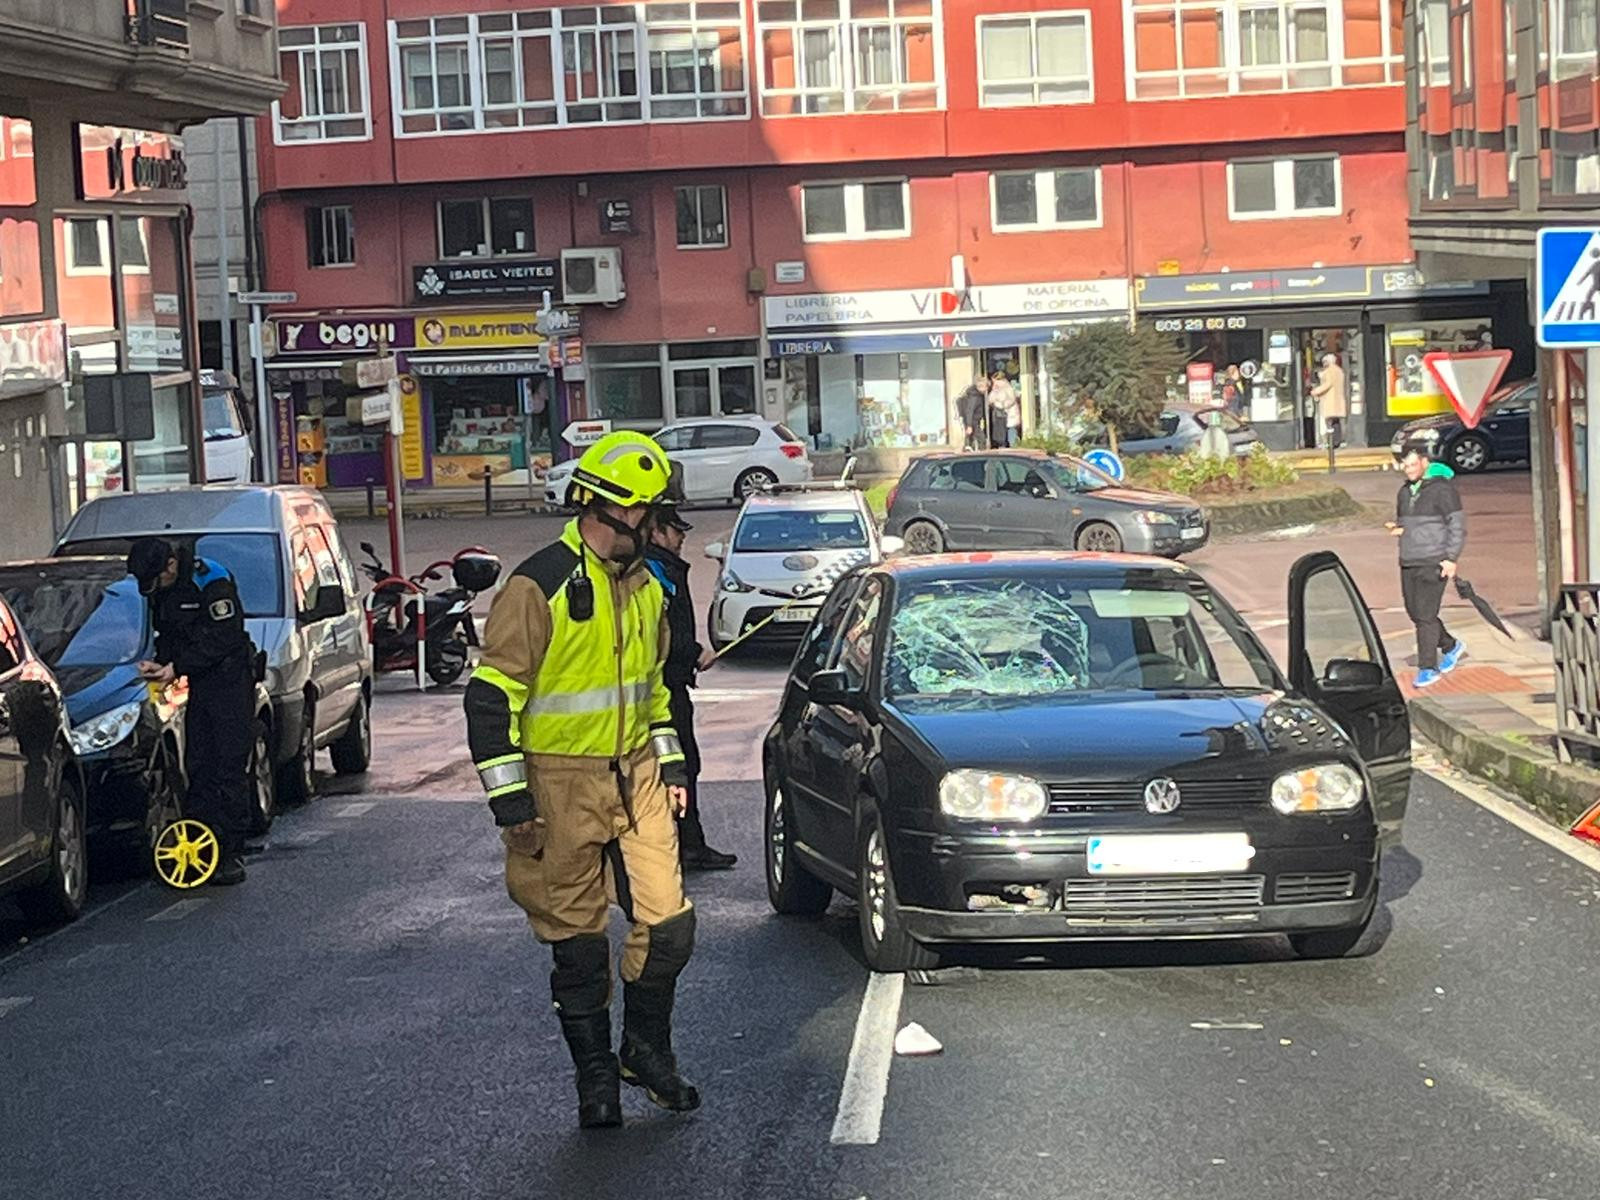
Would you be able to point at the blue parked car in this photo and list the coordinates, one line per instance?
(1501, 436)
(88, 623)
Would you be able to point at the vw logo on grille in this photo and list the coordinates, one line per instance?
(1162, 796)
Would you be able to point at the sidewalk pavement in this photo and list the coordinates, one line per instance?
(1495, 717)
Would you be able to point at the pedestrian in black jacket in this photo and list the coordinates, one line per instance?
(973, 408)
(1433, 531)
(685, 659)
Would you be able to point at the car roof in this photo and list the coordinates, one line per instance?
(1015, 452)
(730, 419)
(216, 508)
(818, 500)
(1029, 563)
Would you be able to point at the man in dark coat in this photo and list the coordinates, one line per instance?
(972, 406)
(1433, 531)
(685, 659)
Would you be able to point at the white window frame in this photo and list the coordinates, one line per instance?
(358, 89)
(486, 214)
(855, 218)
(1037, 80)
(524, 41)
(696, 189)
(855, 97)
(1283, 185)
(472, 116)
(350, 231)
(604, 34)
(69, 247)
(1247, 80)
(695, 28)
(1567, 62)
(1044, 200)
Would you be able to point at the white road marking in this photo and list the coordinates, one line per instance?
(1225, 1025)
(178, 910)
(77, 925)
(719, 695)
(355, 810)
(10, 1004)
(99, 948)
(866, 1079)
(1514, 814)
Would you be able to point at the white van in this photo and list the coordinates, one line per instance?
(229, 454)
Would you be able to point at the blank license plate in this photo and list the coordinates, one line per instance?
(794, 614)
(1170, 854)
(1197, 531)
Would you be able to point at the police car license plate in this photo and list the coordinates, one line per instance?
(1170, 854)
(1196, 531)
(794, 614)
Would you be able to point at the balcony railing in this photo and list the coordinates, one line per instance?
(160, 23)
(1575, 641)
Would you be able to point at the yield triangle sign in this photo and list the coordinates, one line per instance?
(1469, 378)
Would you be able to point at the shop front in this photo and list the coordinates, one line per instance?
(1277, 328)
(883, 369)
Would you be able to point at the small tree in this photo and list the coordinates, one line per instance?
(1114, 373)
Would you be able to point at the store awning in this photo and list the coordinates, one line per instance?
(968, 335)
(432, 366)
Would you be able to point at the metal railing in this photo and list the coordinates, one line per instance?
(160, 23)
(1575, 643)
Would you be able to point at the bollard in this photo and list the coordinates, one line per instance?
(372, 503)
(488, 492)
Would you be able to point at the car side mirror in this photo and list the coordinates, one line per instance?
(330, 603)
(892, 545)
(833, 687)
(369, 548)
(715, 550)
(1351, 675)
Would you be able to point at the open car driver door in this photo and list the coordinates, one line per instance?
(1337, 660)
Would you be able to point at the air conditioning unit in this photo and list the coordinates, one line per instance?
(592, 276)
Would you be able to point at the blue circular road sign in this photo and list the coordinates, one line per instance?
(1102, 459)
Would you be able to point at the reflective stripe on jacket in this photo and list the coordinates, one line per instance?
(551, 685)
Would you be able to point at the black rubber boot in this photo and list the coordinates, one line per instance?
(599, 1087)
(580, 984)
(229, 871)
(647, 1058)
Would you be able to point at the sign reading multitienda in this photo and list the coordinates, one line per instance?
(452, 280)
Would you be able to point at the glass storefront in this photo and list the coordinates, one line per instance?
(1412, 389)
(499, 423)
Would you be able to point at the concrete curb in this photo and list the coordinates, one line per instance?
(1258, 516)
(1560, 792)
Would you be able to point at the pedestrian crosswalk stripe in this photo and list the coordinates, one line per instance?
(354, 810)
(177, 911)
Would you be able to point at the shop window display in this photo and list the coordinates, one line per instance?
(1413, 391)
(477, 425)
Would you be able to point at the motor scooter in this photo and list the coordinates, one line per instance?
(447, 629)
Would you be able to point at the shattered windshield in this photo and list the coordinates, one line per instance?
(1046, 637)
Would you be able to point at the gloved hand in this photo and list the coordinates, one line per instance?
(514, 808)
(675, 774)
(526, 838)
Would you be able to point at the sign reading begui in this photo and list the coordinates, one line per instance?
(942, 306)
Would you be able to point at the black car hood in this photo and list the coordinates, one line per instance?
(1111, 736)
(92, 690)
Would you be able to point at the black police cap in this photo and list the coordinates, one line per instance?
(147, 558)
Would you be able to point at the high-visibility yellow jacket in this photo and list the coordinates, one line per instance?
(549, 685)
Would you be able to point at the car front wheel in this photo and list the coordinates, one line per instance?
(884, 940)
(352, 753)
(263, 793)
(297, 778)
(1100, 538)
(791, 888)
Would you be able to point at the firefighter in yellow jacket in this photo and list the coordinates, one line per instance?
(571, 731)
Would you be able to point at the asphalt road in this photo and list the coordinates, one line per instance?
(369, 1016)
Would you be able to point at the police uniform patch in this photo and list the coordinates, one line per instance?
(221, 610)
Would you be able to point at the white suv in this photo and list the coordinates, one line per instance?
(723, 458)
(789, 543)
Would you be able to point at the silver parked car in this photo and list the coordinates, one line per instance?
(301, 605)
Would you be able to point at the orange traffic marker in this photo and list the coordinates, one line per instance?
(1588, 826)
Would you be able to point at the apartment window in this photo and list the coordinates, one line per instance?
(832, 56)
(702, 217)
(435, 74)
(600, 64)
(696, 60)
(1035, 58)
(1220, 47)
(87, 250)
(1283, 187)
(1064, 198)
(331, 236)
(878, 208)
(517, 69)
(493, 226)
(325, 68)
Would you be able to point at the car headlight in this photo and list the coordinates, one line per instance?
(106, 730)
(1151, 516)
(732, 583)
(984, 796)
(1330, 787)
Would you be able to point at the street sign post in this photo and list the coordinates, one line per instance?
(258, 352)
(585, 433)
(268, 297)
(1567, 287)
(370, 372)
(1469, 378)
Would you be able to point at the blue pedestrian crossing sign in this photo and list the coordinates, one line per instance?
(1567, 278)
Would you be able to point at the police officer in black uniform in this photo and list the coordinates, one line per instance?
(200, 634)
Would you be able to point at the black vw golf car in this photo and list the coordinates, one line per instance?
(1041, 747)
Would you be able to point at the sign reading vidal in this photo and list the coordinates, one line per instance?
(1068, 300)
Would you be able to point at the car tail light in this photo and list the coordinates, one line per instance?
(888, 502)
(794, 449)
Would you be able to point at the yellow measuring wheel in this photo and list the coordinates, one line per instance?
(186, 854)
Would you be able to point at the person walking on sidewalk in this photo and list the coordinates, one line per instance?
(973, 408)
(1433, 531)
(570, 726)
(685, 659)
(1332, 402)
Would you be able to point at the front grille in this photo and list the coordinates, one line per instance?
(1198, 896)
(1314, 886)
(1086, 797)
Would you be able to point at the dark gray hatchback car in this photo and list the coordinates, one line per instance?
(1027, 499)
